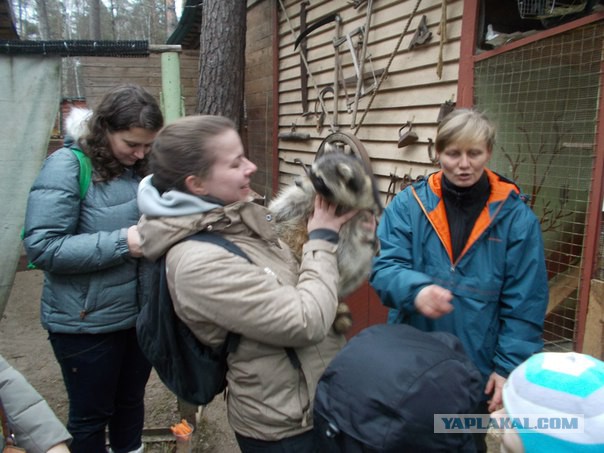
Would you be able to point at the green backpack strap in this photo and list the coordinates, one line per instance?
(85, 178)
(85, 171)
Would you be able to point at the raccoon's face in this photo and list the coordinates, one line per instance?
(343, 180)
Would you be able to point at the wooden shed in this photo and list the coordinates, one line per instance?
(533, 67)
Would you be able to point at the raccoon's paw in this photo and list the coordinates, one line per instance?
(343, 321)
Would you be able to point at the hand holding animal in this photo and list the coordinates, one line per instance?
(343, 180)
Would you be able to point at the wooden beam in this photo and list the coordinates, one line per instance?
(593, 342)
(562, 286)
(465, 86)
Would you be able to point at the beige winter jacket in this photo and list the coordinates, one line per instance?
(273, 304)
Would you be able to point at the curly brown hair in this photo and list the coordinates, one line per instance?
(121, 108)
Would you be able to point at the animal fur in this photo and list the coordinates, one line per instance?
(343, 180)
(76, 123)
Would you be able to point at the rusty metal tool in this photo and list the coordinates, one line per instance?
(422, 34)
(303, 56)
(310, 76)
(360, 76)
(316, 25)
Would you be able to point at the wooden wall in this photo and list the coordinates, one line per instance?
(101, 73)
(259, 78)
(412, 90)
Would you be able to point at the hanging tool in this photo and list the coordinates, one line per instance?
(293, 135)
(391, 191)
(385, 73)
(360, 77)
(442, 31)
(431, 155)
(445, 108)
(406, 135)
(321, 98)
(316, 25)
(337, 75)
(422, 34)
(303, 56)
(356, 3)
(310, 76)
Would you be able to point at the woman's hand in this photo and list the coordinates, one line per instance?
(495, 386)
(59, 448)
(324, 216)
(134, 242)
(369, 223)
(434, 301)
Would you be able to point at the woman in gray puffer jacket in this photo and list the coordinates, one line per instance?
(89, 248)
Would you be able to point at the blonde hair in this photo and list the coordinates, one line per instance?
(465, 125)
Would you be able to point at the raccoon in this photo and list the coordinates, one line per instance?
(341, 179)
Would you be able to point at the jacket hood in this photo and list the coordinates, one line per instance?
(76, 124)
(172, 203)
(420, 374)
(160, 233)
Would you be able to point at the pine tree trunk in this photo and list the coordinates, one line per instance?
(95, 19)
(43, 22)
(171, 20)
(222, 58)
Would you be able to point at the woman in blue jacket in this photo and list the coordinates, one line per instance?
(88, 246)
(461, 252)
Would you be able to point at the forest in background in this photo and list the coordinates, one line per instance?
(112, 20)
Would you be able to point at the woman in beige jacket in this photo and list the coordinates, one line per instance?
(201, 181)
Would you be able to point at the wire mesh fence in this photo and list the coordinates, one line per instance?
(544, 99)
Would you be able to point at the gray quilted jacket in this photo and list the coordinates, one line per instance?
(32, 421)
(90, 283)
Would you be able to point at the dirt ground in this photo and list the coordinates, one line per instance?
(24, 344)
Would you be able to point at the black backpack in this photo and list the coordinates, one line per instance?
(191, 370)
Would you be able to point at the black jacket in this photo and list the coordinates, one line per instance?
(380, 393)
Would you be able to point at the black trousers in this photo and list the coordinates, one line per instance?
(302, 443)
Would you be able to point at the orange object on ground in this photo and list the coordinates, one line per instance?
(182, 429)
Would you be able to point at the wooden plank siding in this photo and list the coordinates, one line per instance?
(258, 124)
(102, 73)
(412, 90)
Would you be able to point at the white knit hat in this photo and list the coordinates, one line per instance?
(558, 385)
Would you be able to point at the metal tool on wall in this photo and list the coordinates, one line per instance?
(334, 17)
(406, 135)
(442, 31)
(422, 34)
(385, 71)
(405, 180)
(358, 61)
(303, 56)
(292, 135)
(360, 75)
(431, 154)
(445, 108)
(328, 19)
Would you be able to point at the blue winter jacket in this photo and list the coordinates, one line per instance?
(499, 281)
(90, 283)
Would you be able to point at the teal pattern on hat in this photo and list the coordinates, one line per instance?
(559, 385)
(575, 374)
